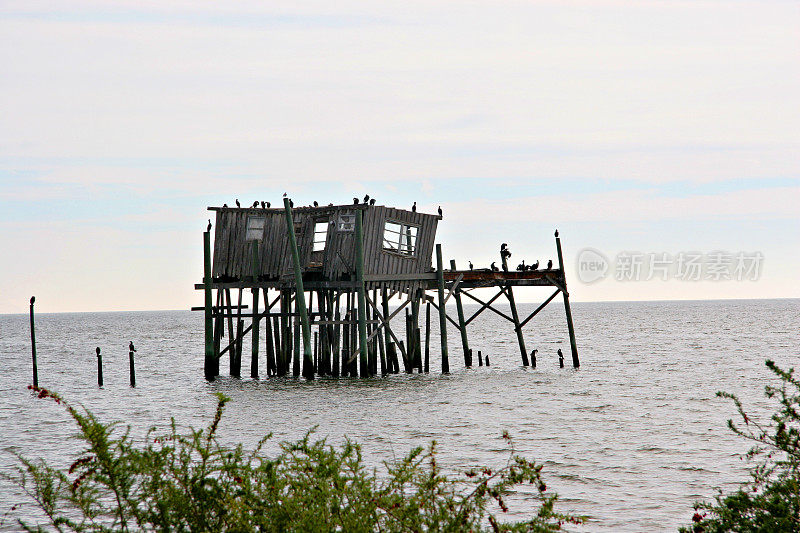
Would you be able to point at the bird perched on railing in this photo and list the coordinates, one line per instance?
(522, 267)
(414, 208)
(549, 264)
(535, 266)
(237, 203)
(263, 204)
(494, 267)
(255, 204)
(470, 265)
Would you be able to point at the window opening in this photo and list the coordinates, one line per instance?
(320, 235)
(255, 228)
(400, 237)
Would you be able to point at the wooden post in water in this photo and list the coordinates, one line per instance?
(210, 361)
(33, 347)
(362, 301)
(99, 367)
(131, 368)
(300, 297)
(427, 336)
(573, 346)
(517, 328)
(256, 317)
(442, 312)
(268, 337)
(461, 325)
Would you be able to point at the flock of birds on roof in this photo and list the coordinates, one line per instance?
(367, 201)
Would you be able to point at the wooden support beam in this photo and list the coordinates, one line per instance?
(362, 304)
(299, 293)
(573, 345)
(442, 313)
(517, 328)
(256, 317)
(462, 326)
(487, 306)
(452, 289)
(522, 324)
(484, 306)
(208, 364)
(436, 306)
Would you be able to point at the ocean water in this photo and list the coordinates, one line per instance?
(630, 439)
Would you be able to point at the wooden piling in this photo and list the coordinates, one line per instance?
(210, 361)
(33, 347)
(480, 358)
(572, 344)
(300, 299)
(442, 312)
(271, 370)
(462, 327)
(520, 337)
(296, 348)
(131, 368)
(254, 333)
(99, 367)
(337, 340)
(362, 301)
(427, 336)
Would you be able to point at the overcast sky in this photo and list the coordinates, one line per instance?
(652, 127)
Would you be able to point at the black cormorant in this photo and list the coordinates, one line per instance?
(440, 210)
(130, 347)
(549, 264)
(535, 266)
(414, 208)
(355, 201)
(263, 205)
(208, 228)
(366, 198)
(224, 206)
(255, 204)
(316, 204)
(494, 267)
(237, 203)
(33, 299)
(372, 201)
(268, 205)
(470, 265)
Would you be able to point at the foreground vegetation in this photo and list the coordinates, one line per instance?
(770, 501)
(186, 480)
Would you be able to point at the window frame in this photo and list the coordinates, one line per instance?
(401, 248)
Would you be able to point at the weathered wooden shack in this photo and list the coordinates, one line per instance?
(333, 270)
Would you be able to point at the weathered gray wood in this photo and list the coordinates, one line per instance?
(33, 346)
(442, 313)
(573, 345)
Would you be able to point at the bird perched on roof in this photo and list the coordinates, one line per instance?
(291, 203)
(268, 205)
(549, 264)
(130, 347)
(535, 266)
(372, 201)
(494, 267)
(255, 204)
(237, 203)
(316, 204)
(208, 228)
(440, 210)
(366, 198)
(414, 208)
(522, 267)
(355, 201)
(263, 204)
(224, 206)
(470, 265)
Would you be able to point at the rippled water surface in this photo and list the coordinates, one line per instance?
(631, 439)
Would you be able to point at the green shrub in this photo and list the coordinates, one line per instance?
(189, 481)
(770, 501)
